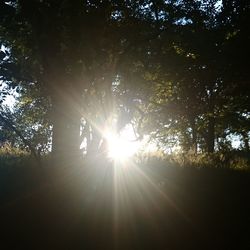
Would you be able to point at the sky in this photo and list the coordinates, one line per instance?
(9, 100)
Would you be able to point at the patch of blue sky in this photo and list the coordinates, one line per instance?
(10, 99)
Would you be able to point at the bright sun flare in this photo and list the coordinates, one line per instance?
(119, 146)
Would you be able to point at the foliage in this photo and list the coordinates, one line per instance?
(175, 70)
(10, 155)
(26, 125)
(195, 100)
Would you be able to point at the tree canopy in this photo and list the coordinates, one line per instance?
(175, 70)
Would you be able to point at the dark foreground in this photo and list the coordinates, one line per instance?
(102, 207)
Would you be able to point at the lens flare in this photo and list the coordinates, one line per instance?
(119, 148)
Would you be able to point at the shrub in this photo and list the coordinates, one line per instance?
(10, 156)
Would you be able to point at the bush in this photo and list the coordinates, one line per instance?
(10, 156)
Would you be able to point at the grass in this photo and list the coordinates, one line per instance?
(237, 160)
(155, 202)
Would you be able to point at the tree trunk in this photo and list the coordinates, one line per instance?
(93, 147)
(210, 135)
(246, 141)
(211, 121)
(66, 129)
(194, 134)
(186, 142)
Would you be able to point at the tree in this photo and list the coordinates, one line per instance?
(169, 65)
(192, 96)
(69, 48)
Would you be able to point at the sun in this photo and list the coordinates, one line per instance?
(119, 146)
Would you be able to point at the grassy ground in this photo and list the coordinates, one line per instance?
(126, 206)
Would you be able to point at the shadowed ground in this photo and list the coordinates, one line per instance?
(107, 207)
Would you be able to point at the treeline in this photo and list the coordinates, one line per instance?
(175, 70)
